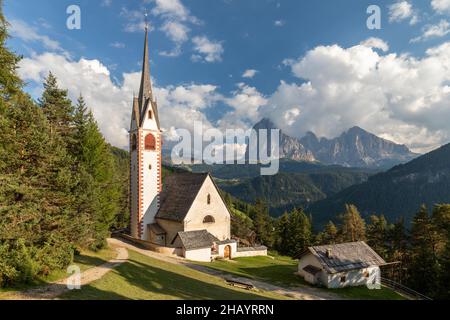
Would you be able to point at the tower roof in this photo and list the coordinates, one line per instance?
(145, 99)
(145, 90)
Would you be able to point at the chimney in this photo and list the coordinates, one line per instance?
(329, 253)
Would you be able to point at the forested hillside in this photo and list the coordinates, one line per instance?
(61, 188)
(396, 193)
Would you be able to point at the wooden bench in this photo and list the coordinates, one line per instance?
(240, 284)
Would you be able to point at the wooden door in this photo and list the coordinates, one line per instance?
(227, 252)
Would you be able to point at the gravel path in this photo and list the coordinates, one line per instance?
(299, 293)
(55, 289)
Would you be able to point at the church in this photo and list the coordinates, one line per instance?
(184, 215)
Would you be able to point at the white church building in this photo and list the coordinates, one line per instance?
(183, 215)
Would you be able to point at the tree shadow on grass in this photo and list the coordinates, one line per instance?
(156, 283)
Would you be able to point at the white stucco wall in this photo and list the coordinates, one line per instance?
(310, 259)
(217, 209)
(233, 247)
(354, 278)
(250, 253)
(150, 183)
(202, 255)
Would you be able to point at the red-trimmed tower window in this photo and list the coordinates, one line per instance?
(150, 142)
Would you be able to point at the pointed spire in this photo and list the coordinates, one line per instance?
(145, 91)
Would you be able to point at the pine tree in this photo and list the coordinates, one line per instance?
(377, 234)
(10, 84)
(58, 108)
(263, 224)
(299, 233)
(282, 233)
(441, 221)
(424, 259)
(329, 235)
(98, 189)
(353, 227)
(35, 192)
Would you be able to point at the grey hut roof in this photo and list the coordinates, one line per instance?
(312, 270)
(201, 239)
(346, 256)
(179, 192)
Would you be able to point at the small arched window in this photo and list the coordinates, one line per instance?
(133, 143)
(208, 199)
(150, 142)
(150, 115)
(209, 219)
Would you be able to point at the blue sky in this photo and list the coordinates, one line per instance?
(201, 50)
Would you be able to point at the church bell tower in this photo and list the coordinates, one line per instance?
(145, 155)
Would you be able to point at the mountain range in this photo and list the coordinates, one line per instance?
(353, 148)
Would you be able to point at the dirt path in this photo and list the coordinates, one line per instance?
(55, 289)
(299, 293)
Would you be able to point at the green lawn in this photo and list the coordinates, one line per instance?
(85, 260)
(280, 270)
(363, 293)
(277, 270)
(146, 278)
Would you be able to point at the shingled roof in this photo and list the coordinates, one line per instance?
(346, 256)
(179, 192)
(201, 239)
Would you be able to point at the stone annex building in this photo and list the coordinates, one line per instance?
(184, 215)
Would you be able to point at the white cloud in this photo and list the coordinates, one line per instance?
(398, 97)
(376, 43)
(27, 33)
(176, 31)
(434, 31)
(250, 73)
(117, 45)
(207, 50)
(441, 6)
(279, 23)
(173, 9)
(403, 10)
(135, 20)
(246, 103)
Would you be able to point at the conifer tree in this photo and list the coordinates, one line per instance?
(299, 233)
(424, 259)
(377, 234)
(329, 235)
(263, 223)
(98, 190)
(353, 227)
(58, 108)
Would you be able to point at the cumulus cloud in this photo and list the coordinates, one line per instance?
(111, 103)
(250, 73)
(403, 10)
(279, 23)
(398, 97)
(207, 50)
(433, 31)
(376, 43)
(441, 6)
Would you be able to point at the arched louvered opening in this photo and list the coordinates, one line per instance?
(209, 219)
(150, 142)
